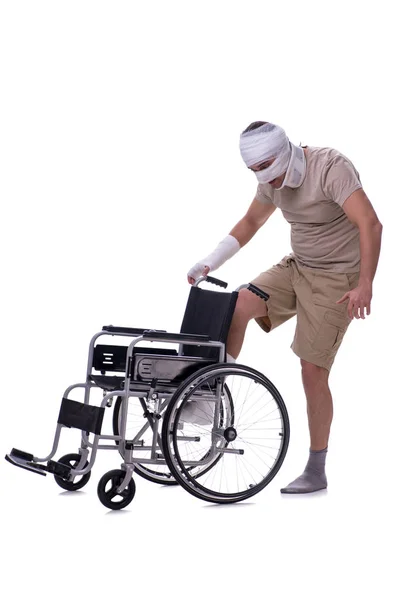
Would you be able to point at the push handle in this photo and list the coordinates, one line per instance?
(263, 295)
(215, 281)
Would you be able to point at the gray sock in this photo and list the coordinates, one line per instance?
(313, 478)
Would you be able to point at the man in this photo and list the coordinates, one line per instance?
(326, 281)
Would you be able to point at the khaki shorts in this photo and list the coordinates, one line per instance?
(311, 294)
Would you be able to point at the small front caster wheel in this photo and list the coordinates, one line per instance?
(107, 490)
(72, 460)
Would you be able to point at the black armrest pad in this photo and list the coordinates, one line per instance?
(176, 337)
(129, 330)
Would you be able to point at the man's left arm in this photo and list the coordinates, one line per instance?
(361, 213)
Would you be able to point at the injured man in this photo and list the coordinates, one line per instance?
(325, 281)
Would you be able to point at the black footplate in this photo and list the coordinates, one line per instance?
(25, 461)
(21, 454)
(59, 469)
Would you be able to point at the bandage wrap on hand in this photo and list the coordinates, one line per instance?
(225, 250)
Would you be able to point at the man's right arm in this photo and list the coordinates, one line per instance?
(255, 218)
(242, 233)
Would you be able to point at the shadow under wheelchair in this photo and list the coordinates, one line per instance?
(180, 416)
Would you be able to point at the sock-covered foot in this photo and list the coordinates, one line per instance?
(313, 478)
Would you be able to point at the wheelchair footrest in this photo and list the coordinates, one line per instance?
(58, 469)
(24, 461)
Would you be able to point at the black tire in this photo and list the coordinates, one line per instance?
(72, 486)
(106, 495)
(187, 476)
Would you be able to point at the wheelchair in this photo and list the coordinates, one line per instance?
(180, 416)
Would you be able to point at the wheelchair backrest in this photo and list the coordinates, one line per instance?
(209, 313)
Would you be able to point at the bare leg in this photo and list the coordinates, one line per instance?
(319, 404)
(248, 306)
(320, 413)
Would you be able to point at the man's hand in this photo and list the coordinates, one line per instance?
(359, 300)
(206, 271)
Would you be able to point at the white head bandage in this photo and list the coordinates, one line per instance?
(270, 141)
(296, 170)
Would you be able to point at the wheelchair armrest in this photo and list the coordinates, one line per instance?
(176, 337)
(129, 330)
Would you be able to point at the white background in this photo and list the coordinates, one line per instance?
(120, 169)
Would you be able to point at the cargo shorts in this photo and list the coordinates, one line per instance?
(311, 294)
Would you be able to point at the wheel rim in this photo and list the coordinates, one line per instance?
(260, 431)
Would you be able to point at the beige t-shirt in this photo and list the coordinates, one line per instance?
(322, 236)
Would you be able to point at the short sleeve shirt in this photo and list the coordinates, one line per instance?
(322, 236)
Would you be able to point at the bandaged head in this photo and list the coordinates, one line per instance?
(269, 142)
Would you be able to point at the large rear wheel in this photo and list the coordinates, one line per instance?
(233, 459)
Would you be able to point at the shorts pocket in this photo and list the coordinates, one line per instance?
(330, 333)
(327, 289)
(352, 279)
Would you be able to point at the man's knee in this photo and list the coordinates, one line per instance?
(311, 372)
(250, 306)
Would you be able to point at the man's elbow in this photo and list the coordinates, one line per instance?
(370, 225)
(377, 226)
